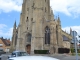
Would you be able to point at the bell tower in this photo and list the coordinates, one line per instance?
(41, 10)
(31, 21)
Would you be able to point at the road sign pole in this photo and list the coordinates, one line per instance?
(75, 33)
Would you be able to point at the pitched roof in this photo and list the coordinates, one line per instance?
(6, 42)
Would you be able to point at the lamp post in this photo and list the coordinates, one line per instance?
(75, 41)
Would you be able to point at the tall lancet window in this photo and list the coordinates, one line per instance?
(57, 33)
(28, 37)
(47, 35)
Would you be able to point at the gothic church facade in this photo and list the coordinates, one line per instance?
(38, 29)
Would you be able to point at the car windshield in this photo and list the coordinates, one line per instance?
(23, 54)
(19, 54)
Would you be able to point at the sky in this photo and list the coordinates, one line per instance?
(68, 10)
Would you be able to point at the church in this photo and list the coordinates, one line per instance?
(38, 29)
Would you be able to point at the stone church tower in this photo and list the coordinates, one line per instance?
(38, 30)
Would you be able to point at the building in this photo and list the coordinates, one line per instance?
(5, 44)
(38, 29)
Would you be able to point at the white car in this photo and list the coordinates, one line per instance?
(18, 53)
(32, 58)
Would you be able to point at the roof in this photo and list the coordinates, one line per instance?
(67, 35)
(6, 42)
(65, 38)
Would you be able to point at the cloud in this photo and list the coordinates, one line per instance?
(5, 31)
(2, 26)
(68, 7)
(10, 5)
(9, 32)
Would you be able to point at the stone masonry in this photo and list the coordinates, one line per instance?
(38, 28)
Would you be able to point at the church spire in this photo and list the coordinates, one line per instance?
(58, 18)
(15, 25)
(70, 30)
(59, 22)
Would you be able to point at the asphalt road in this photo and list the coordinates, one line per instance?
(64, 57)
(61, 57)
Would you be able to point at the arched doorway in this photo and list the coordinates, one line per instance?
(28, 42)
(28, 48)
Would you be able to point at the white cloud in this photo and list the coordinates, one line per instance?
(2, 26)
(5, 31)
(68, 7)
(10, 5)
(9, 32)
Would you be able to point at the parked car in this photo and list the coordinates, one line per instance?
(17, 53)
(32, 58)
(2, 52)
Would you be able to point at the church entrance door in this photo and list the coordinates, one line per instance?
(28, 48)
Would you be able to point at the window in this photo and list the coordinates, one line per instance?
(28, 37)
(45, 9)
(47, 35)
(27, 28)
(57, 34)
(45, 0)
(1, 49)
(1, 45)
(27, 19)
(15, 39)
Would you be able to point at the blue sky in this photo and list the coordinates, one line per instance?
(68, 10)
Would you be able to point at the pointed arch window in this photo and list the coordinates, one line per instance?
(28, 37)
(45, 0)
(45, 9)
(27, 19)
(57, 33)
(47, 35)
(16, 40)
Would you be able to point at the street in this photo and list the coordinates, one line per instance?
(4, 57)
(66, 57)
